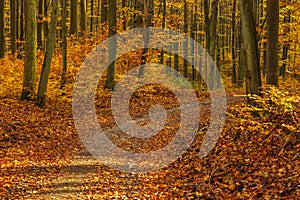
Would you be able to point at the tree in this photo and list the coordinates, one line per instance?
(13, 26)
(64, 42)
(124, 13)
(20, 27)
(250, 49)
(185, 30)
(83, 20)
(40, 24)
(112, 30)
(104, 11)
(29, 81)
(74, 17)
(272, 70)
(144, 20)
(233, 21)
(2, 30)
(41, 97)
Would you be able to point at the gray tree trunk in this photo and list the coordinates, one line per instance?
(250, 49)
(29, 77)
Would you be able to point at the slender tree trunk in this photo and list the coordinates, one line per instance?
(207, 24)
(145, 20)
(213, 28)
(29, 81)
(213, 36)
(241, 65)
(46, 24)
(104, 11)
(163, 26)
(40, 24)
(112, 30)
(92, 16)
(234, 77)
(250, 50)
(272, 43)
(185, 46)
(74, 17)
(194, 30)
(2, 29)
(41, 97)
(124, 12)
(83, 21)
(64, 42)
(20, 18)
(13, 26)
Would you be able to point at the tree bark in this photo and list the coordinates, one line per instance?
(250, 50)
(104, 11)
(64, 42)
(41, 98)
(112, 30)
(40, 24)
(272, 70)
(74, 17)
(83, 20)
(13, 26)
(233, 54)
(29, 77)
(185, 47)
(2, 30)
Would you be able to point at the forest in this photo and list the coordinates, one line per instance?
(153, 99)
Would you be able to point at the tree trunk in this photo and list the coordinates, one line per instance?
(234, 77)
(112, 30)
(207, 22)
(29, 81)
(163, 26)
(272, 70)
(250, 49)
(92, 17)
(124, 15)
(2, 29)
(64, 42)
(40, 24)
(213, 37)
(147, 7)
(104, 11)
(20, 27)
(74, 17)
(41, 98)
(13, 26)
(83, 21)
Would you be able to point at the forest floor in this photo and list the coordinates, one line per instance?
(256, 157)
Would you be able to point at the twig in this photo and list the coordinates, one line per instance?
(211, 174)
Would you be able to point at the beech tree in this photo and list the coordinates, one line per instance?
(272, 70)
(74, 17)
(112, 30)
(13, 26)
(41, 97)
(2, 30)
(29, 81)
(250, 49)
